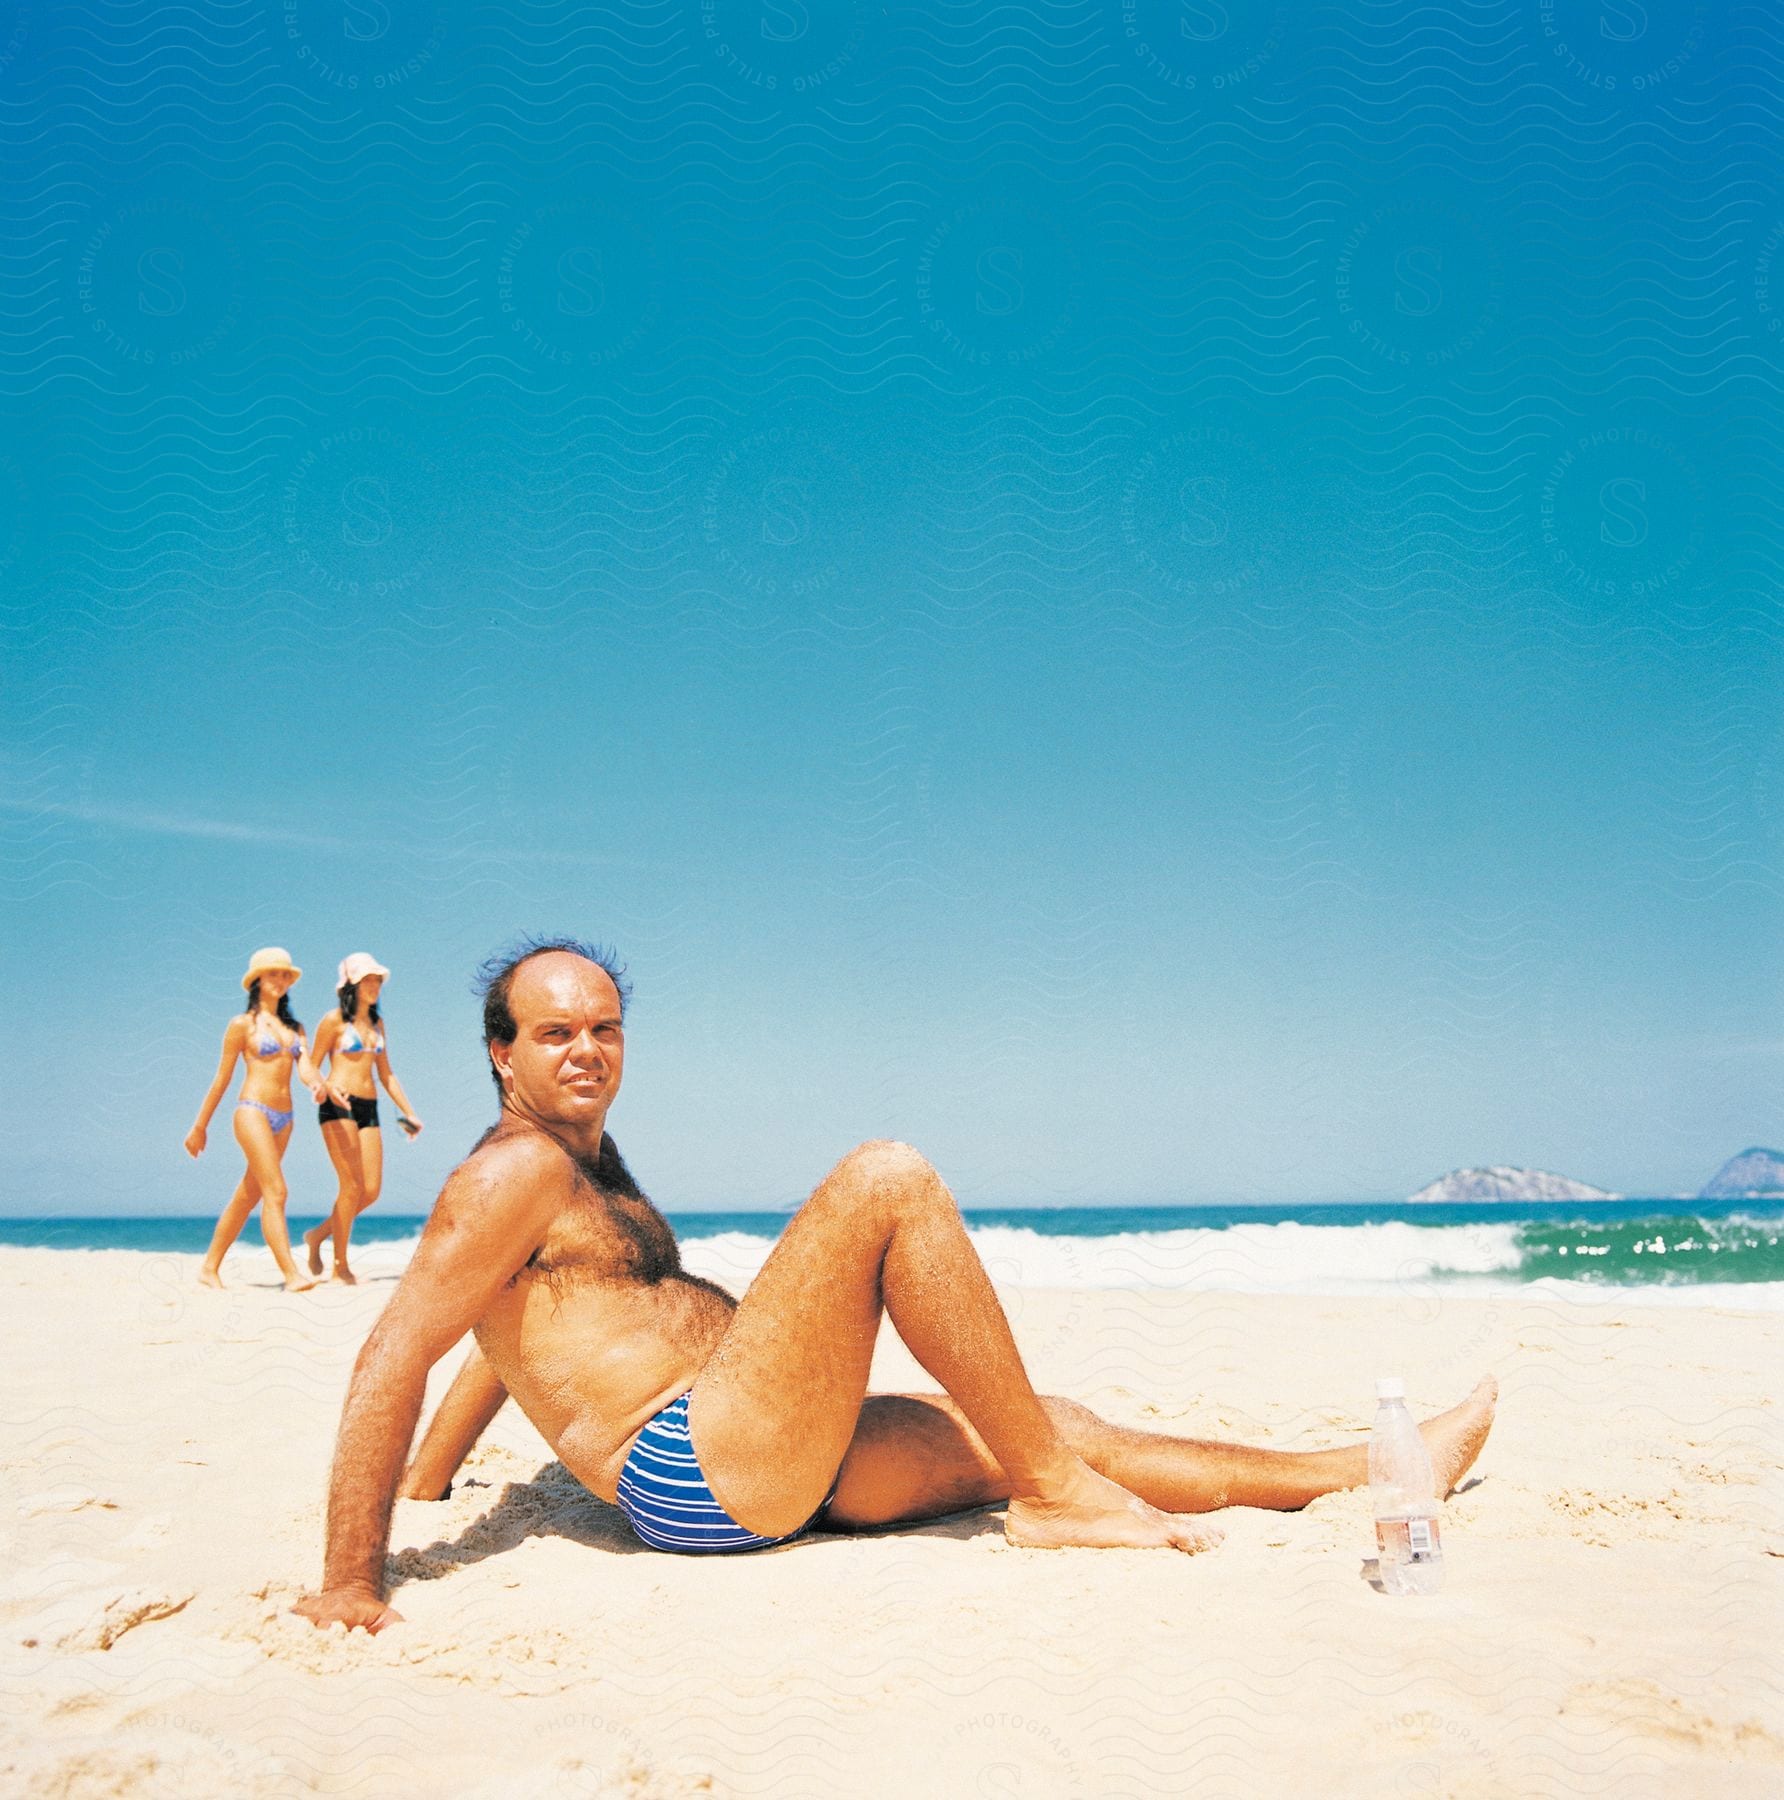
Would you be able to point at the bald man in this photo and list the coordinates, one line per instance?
(724, 1425)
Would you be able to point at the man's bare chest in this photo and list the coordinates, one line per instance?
(603, 1236)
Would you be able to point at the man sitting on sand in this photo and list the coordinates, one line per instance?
(718, 1424)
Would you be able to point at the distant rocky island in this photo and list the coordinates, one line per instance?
(1753, 1175)
(1499, 1183)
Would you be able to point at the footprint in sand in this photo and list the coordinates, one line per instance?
(98, 1617)
(64, 1500)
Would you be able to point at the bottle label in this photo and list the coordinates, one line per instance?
(1412, 1540)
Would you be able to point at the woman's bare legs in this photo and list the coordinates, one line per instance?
(341, 1138)
(264, 1149)
(358, 1155)
(371, 1185)
(229, 1227)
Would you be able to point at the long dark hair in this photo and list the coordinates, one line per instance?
(285, 1014)
(350, 1003)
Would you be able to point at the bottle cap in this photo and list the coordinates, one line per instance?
(1390, 1387)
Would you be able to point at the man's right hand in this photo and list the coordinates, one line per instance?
(349, 1606)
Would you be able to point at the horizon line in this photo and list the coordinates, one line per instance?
(787, 1212)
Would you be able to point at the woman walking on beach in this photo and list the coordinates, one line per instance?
(354, 1039)
(271, 1042)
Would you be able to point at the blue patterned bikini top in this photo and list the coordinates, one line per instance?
(352, 1044)
(272, 1046)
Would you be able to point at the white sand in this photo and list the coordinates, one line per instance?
(1610, 1624)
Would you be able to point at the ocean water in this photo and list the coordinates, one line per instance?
(1728, 1252)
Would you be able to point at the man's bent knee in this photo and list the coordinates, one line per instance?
(880, 1182)
(889, 1170)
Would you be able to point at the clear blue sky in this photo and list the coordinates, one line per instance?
(1170, 603)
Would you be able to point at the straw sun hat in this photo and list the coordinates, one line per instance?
(264, 961)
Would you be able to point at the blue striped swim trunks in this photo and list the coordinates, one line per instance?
(665, 1497)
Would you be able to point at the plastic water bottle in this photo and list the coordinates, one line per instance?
(1404, 1489)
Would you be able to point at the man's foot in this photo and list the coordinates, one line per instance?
(299, 1284)
(210, 1278)
(313, 1244)
(344, 1275)
(1096, 1513)
(1454, 1438)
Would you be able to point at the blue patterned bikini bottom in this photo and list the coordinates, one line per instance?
(276, 1119)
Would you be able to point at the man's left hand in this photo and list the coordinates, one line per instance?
(348, 1606)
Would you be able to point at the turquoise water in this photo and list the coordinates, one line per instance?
(1620, 1243)
(1742, 1245)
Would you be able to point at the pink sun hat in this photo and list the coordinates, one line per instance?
(355, 968)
